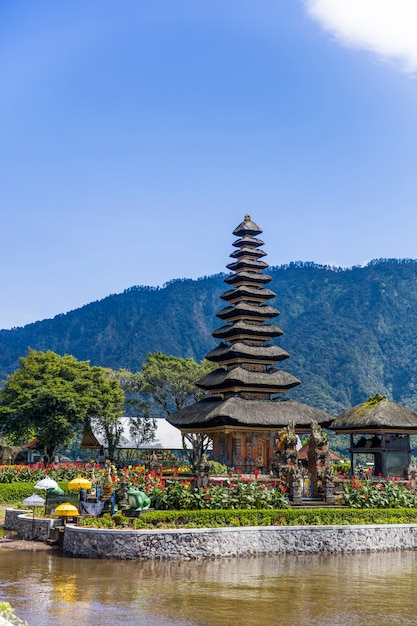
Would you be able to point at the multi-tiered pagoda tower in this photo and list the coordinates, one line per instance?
(245, 354)
(244, 413)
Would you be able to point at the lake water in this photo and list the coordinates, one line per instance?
(47, 589)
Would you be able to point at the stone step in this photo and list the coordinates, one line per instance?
(312, 503)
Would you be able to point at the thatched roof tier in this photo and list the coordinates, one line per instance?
(242, 353)
(382, 416)
(247, 278)
(247, 227)
(245, 310)
(248, 241)
(89, 441)
(251, 332)
(248, 251)
(250, 265)
(250, 294)
(213, 412)
(239, 379)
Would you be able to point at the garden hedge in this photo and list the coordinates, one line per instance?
(15, 493)
(274, 517)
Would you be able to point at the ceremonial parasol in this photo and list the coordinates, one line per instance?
(66, 509)
(33, 501)
(79, 483)
(46, 483)
(76, 484)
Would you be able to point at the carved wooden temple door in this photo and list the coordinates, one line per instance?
(306, 485)
(261, 456)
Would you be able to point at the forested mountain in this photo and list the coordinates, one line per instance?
(351, 333)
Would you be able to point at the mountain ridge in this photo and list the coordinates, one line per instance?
(350, 332)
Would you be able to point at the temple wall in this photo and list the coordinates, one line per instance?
(187, 544)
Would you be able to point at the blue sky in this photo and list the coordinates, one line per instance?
(136, 135)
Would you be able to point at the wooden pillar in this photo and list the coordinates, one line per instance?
(214, 439)
(229, 448)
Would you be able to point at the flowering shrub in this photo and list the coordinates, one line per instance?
(241, 493)
(62, 472)
(176, 469)
(233, 492)
(99, 522)
(378, 495)
(342, 468)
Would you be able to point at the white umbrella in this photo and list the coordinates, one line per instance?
(33, 501)
(46, 483)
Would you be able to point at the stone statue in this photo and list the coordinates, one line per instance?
(155, 465)
(123, 499)
(108, 486)
(319, 463)
(411, 473)
(285, 461)
(138, 500)
(203, 472)
(295, 483)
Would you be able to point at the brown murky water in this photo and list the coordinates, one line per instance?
(48, 589)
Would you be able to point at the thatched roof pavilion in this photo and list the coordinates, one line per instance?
(238, 412)
(379, 430)
(243, 416)
(376, 417)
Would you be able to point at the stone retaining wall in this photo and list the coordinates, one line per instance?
(11, 518)
(189, 544)
(27, 527)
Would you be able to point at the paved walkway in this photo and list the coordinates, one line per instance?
(28, 546)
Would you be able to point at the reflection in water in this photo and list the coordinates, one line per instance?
(47, 589)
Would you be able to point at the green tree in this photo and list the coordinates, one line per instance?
(142, 429)
(199, 443)
(169, 382)
(107, 407)
(142, 426)
(53, 397)
(166, 384)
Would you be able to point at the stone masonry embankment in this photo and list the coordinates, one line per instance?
(27, 527)
(11, 519)
(188, 544)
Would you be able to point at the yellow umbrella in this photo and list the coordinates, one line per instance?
(76, 484)
(79, 483)
(66, 509)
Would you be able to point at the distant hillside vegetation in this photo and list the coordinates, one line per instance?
(350, 333)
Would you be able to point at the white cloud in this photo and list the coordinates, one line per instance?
(387, 28)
